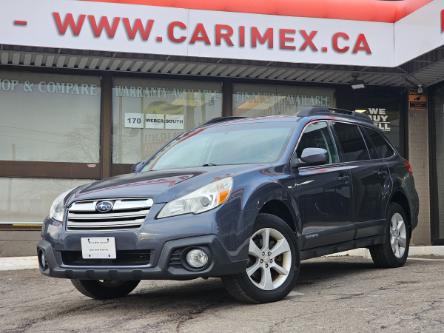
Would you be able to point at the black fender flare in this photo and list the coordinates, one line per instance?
(265, 193)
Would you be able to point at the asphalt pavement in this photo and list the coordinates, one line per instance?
(335, 294)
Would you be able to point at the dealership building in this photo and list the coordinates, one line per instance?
(89, 88)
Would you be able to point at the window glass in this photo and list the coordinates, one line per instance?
(230, 144)
(37, 194)
(317, 135)
(53, 118)
(383, 105)
(147, 114)
(260, 100)
(388, 121)
(351, 143)
(379, 148)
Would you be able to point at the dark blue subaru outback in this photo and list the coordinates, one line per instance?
(242, 199)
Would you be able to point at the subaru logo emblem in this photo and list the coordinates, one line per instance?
(104, 206)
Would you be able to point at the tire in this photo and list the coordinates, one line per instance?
(385, 255)
(105, 289)
(256, 285)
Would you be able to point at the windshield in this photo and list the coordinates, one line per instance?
(245, 143)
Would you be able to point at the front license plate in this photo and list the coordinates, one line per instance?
(98, 248)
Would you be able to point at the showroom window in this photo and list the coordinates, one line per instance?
(147, 114)
(38, 193)
(252, 100)
(49, 118)
(384, 107)
(387, 119)
(49, 140)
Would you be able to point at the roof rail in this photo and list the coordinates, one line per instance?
(221, 120)
(317, 110)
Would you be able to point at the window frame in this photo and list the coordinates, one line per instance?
(435, 227)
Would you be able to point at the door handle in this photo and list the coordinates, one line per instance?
(343, 177)
(381, 173)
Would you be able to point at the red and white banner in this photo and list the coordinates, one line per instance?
(420, 32)
(355, 10)
(214, 34)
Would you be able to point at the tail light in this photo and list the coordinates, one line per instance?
(408, 167)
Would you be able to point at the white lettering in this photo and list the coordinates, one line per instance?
(380, 118)
(67, 88)
(8, 85)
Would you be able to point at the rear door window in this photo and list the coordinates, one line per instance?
(378, 145)
(350, 142)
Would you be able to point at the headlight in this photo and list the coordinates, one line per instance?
(57, 210)
(201, 200)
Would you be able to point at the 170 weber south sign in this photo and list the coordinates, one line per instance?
(202, 33)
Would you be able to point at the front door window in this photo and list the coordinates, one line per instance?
(317, 135)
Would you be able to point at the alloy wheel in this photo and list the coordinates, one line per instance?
(270, 259)
(398, 235)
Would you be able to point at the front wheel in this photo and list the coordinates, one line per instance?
(273, 263)
(395, 249)
(104, 289)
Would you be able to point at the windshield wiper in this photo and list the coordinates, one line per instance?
(209, 164)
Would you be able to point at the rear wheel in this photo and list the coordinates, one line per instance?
(394, 251)
(105, 289)
(273, 263)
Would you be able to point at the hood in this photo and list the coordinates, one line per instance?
(161, 186)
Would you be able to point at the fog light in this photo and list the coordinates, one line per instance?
(197, 258)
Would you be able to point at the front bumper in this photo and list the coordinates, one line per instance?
(160, 266)
(222, 232)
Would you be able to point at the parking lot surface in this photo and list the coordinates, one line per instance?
(335, 294)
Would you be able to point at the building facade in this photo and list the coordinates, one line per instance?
(89, 88)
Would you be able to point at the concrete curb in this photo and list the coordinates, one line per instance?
(19, 263)
(414, 251)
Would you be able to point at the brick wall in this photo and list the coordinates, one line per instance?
(419, 158)
(18, 243)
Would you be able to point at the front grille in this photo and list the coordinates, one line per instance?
(123, 258)
(126, 213)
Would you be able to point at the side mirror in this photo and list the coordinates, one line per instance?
(136, 168)
(311, 156)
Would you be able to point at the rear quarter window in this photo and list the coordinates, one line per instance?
(378, 145)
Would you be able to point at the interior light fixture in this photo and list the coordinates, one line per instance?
(356, 83)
